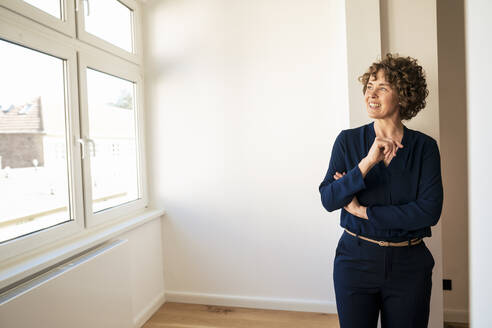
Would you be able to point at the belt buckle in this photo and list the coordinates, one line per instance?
(383, 243)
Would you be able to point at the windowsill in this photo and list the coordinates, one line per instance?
(34, 262)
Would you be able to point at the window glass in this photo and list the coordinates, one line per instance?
(111, 21)
(112, 127)
(34, 190)
(52, 7)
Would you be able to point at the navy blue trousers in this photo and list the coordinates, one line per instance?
(395, 281)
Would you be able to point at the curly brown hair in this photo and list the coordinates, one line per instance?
(406, 77)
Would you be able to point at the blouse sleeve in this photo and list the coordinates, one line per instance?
(335, 194)
(425, 211)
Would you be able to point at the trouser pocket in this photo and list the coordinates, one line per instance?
(428, 254)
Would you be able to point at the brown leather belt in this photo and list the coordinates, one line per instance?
(414, 241)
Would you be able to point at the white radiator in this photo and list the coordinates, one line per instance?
(89, 291)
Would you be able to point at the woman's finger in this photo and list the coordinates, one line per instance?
(394, 143)
(338, 175)
(388, 149)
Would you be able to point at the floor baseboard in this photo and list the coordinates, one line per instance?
(252, 302)
(454, 315)
(148, 311)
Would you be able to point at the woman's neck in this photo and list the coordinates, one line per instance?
(388, 129)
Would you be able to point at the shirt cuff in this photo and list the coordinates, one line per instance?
(355, 178)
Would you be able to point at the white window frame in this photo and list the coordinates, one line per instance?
(111, 65)
(83, 35)
(14, 31)
(21, 256)
(65, 25)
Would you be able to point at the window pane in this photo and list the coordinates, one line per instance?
(111, 21)
(33, 151)
(114, 168)
(52, 7)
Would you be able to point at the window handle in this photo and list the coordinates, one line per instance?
(86, 141)
(82, 143)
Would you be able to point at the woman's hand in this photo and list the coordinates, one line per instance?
(356, 209)
(353, 207)
(382, 149)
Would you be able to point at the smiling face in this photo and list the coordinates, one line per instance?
(381, 100)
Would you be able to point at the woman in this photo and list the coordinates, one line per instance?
(386, 178)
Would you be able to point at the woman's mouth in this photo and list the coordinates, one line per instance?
(374, 105)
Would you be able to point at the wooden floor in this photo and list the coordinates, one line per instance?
(180, 315)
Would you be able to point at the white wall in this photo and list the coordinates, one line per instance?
(122, 287)
(454, 160)
(91, 291)
(363, 22)
(146, 270)
(245, 99)
(479, 70)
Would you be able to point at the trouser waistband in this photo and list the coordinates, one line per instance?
(411, 242)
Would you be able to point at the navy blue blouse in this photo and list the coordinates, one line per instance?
(403, 199)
